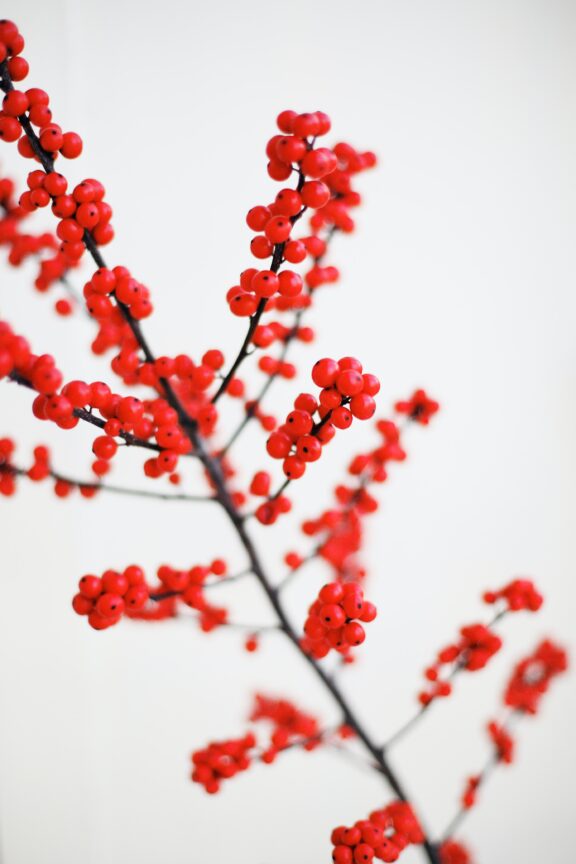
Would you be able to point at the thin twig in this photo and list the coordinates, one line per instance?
(108, 487)
(458, 667)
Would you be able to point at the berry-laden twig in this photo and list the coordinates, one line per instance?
(172, 411)
(476, 645)
(527, 685)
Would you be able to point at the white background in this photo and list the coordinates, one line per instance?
(460, 279)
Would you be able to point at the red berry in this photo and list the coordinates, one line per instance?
(341, 418)
(349, 382)
(15, 103)
(257, 218)
(71, 146)
(90, 586)
(293, 467)
(331, 593)
(306, 125)
(285, 120)
(51, 138)
(319, 163)
(110, 605)
(332, 616)
(290, 284)
(10, 129)
(298, 423)
(265, 283)
(295, 251)
(315, 194)
(278, 229)
(278, 445)
(55, 184)
(324, 372)
(290, 148)
(363, 406)
(308, 448)
(261, 483)
(354, 633)
(288, 202)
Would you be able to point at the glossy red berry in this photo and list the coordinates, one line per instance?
(265, 283)
(278, 229)
(325, 372)
(315, 194)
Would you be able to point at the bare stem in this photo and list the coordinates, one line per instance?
(109, 487)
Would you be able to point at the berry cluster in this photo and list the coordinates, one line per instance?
(23, 245)
(532, 676)
(384, 835)
(289, 725)
(264, 291)
(273, 224)
(83, 209)
(340, 527)
(519, 594)
(300, 439)
(30, 105)
(222, 760)
(477, 644)
(105, 599)
(530, 680)
(334, 618)
(152, 422)
(419, 408)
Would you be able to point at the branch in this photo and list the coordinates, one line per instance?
(255, 405)
(254, 321)
(489, 767)
(214, 470)
(89, 417)
(47, 163)
(348, 714)
(108, 487)
(277, 259)
(461, 814)
(459, 666)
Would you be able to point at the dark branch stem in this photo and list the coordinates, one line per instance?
(47, 162)
(348, 715)
(277, 258)
(251, 411)
(243, 352)
(255, 404)
(213, 469)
